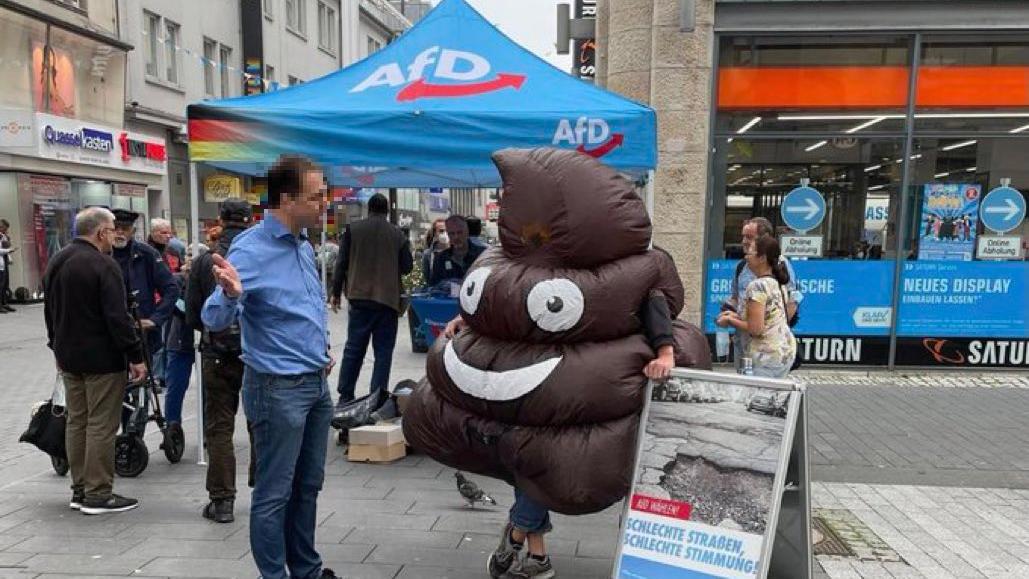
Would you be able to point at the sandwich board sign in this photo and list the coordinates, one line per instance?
(720, 485)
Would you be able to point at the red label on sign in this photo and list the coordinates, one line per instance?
(663, 507)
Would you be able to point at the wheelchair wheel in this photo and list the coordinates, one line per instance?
(130, 455)
(60, 465)
(174, 445)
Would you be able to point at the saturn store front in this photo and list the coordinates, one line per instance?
(895, 168)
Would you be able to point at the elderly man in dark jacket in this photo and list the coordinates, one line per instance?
(91, 334)
(146, 277)
(372, 258)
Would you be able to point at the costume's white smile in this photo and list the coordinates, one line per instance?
(496, 386)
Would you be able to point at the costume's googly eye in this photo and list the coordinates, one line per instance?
(471, 290)
(555, 305)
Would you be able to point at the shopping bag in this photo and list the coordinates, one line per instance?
(46, 427)
(359, 412)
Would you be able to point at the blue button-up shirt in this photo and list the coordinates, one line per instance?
(283, 319)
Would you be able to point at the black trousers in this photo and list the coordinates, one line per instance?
(223, 379)
(5, 284)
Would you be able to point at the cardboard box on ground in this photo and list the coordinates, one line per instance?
(383, 442)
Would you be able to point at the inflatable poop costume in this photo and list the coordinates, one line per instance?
(545, 388)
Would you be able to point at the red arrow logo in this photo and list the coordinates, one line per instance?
(614, 142)
(420, 89)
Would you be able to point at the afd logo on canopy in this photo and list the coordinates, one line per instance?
(470, 71)
(592, 137)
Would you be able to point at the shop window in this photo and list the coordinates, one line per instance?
(848, 84)
(81, 78)
(844, 262)
(210, 61)
(20, 37)
(962, 278)
(973, 84)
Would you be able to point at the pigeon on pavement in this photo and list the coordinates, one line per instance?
(471, 491)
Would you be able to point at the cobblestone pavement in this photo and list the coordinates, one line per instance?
(923, 379)
(930, 532)
(405, 520)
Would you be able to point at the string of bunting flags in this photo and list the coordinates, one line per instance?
(268, 84)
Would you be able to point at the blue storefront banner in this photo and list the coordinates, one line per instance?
(841, 297)
(972, 299)
(950, 212)
(969, 299)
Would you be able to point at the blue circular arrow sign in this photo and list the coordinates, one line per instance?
(1002, 210)
(803, 209)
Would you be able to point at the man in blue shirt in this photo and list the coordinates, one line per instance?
(270, 281)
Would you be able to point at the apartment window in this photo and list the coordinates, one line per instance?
(153, 28)
(171, 59)
(296, 16)
(79, 5)
(373, 45)
(225, 57)
(326, 27)
(269, 9)
(210, 58)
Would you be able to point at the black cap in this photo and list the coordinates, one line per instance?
(235, 210)
(125, 217)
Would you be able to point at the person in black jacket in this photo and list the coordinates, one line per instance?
(221, 368)
(91, 334)
(147, 275)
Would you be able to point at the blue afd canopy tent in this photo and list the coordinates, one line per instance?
(427, 111)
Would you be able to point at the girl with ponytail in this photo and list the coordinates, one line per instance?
(764, 331)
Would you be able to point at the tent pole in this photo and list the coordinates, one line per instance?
(325, 267)
(650, 194)
(194, 216)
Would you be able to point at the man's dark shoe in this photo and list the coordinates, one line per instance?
(9, 309)
(77, 499)
(113, 504)
(328, 574)
(220, 511)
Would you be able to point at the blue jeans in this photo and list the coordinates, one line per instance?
(529, 516)
(373, 322)
(290, 418)
(180, 365)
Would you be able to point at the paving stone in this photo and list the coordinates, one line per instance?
(75, 545)
(341, 518)
(486, 543)
(124, 564)
(163, 546)
(426, 557)
(196, 567)
(406, 537)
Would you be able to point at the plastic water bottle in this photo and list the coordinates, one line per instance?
(748, 367)
(722, 343)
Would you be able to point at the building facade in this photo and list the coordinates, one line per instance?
(238, 48)
(889, 147)
(64, 144)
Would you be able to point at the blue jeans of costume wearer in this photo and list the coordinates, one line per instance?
(180, 366)
(369, 321)
(529, 516)
(290, 418)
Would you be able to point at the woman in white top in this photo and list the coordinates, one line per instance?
(766, 336)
